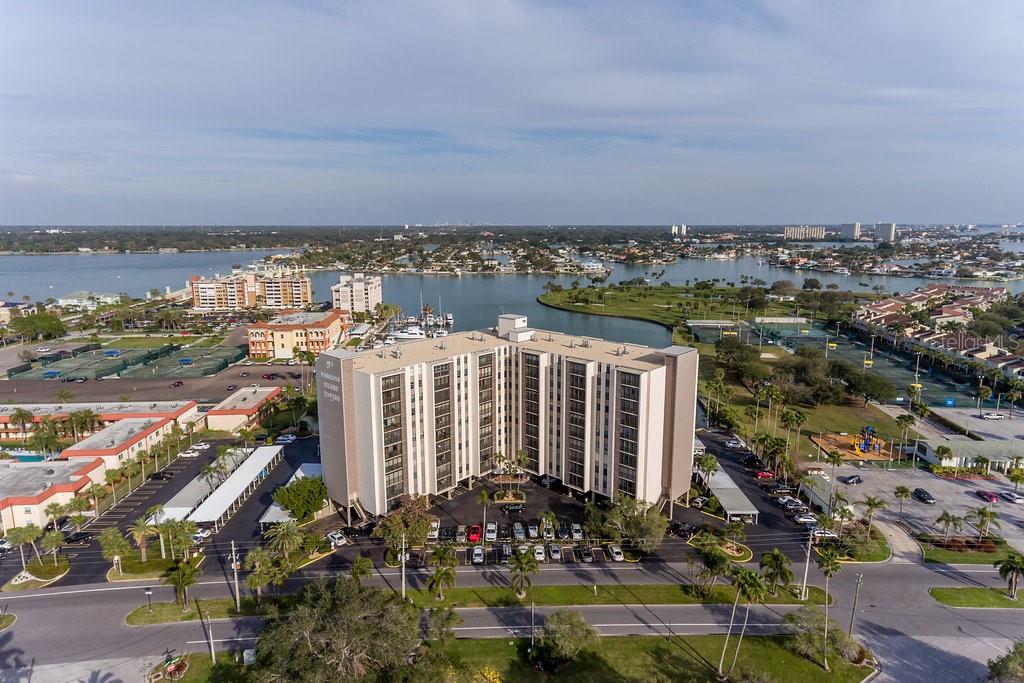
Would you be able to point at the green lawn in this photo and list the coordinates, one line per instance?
(6, 621)
(169, 612)
(975, 597)
(153, 342)
(635, 658)
(946, 556)
(655, 594)
(43, 572)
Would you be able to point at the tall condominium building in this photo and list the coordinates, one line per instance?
(804, 232)
(885, 232)
(281, 336)
(357, 293)
(680, 230)
(850, 231)
(278, 289)
(421, 417)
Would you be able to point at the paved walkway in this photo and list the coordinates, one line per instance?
(905, 550)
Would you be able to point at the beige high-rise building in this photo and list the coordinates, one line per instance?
(885, 232)
(850, 231)
(804, 232)
(281, 289)
(421, 417)
(357, 293)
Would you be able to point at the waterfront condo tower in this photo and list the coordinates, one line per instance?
(424, 416)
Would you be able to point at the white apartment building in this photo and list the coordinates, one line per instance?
(357, 293)
(419, 418)
(804, 232)
(276, 289)
(850, 231)
(885, 232)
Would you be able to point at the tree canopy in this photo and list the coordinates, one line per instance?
(302, 498)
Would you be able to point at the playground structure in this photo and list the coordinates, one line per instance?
(864, 445)
(171, 668)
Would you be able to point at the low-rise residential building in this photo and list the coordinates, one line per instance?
(121, 441)
(27, 488)
(297, 330)
(277, 289)
(101, 414)
(8, 310)
(244, 408)
(357, 293)
(87, 300)
(422, 417)
(967, 452)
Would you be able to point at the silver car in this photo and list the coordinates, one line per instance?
(555, 551)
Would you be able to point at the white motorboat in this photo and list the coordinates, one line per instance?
(448, 319)
(440, 333)
(410, 333)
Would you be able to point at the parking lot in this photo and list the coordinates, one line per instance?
(958, 497)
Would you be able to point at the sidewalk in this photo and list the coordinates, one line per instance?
(905, 549)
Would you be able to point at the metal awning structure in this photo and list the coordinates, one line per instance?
(276, 514)
(230, 495)
(732, 499)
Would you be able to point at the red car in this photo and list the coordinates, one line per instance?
(987, 496)
(474, 534)
(764, 474)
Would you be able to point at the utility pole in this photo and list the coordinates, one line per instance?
(234, 568)
(807, 566)
(533, 627)
(856, 596)
(403, 566)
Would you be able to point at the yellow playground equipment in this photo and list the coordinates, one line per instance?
(832, 346)
(868, 362)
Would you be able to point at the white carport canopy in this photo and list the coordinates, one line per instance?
(732, 499)
(230, 495)
(276, 514)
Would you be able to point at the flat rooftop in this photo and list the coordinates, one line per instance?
(32, 478)
(300, 318)
(115, 435)
(104, 408)
(246, 399)
(641, 358)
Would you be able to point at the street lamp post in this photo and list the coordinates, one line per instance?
(149, 598)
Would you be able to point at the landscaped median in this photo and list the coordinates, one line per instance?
(6, 621)
(960, 550)
(171, 612)
(41, 573)
(971, 596)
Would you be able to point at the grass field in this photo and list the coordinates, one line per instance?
(945, 556)
(6, 621)
(43, 572)
(975, 597)
(170, 612)
(636, 658)
(656, 594)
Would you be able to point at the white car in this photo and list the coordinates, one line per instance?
(556, 552)
(1012, 497)
(43, 349)
(615, 552)
(188, 454)
(491, 532)
(435, 530)
(337, 539)
(820, 534)
(577, 531)
(285, 440)
(5, 544)
(734, 443)
(786, 500)
(533, 530)
(478, 554)
(201, 446)
(292, 362)
(993, 416)
(538, 553)
(805, 519)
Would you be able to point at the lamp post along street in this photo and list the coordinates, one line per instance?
(149, 598)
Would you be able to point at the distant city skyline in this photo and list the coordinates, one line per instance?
(709, 113)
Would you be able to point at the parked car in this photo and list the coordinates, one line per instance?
(514, 508)
(61, 521)
(175, 384)
(821, 534)
(533, 530)
(295, 375)
(474, 534)
(189, 453)
(923, 496)
(987, 496)
(764, 474)
(854, 480)
(478, 554)
(786, 500)
(504, 532)
(447, 534)
(548, 532)
(243, 374)
(699, 502)
(563, 531)
(286, 439)
(491, 532)
(577, 531)
(555, 551)
(43, 349)
(460, 534)
(434, 531)
(518, 531)
(681, 529)
(1012, 497)
(993, 416)
(231, 387)
(337, 539)
(615, 552)
(76, 540)
(161, 476)
(538, 553)
(587, 554)
(734, 443)
(805, 519)
(506, 552)
(5, 544)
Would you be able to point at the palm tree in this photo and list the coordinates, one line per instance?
(984, 518)
(829, 565)
(52, 542)
(156, 513)
(1010, 569)
(181, 576)
(140, 531)
(22, 418)
(112, 477)
(751, 586)
(947, 520)
(257, 563)
(64, 396)
(983, 395)
(45, 436)
(33, 534)
(737, 575)
(775, 567)
(53, 511)
(18, 536)
(284, 538)
(871, 506)
(1016, 477)
(76, 506)
(522, 566)
(835, 458)
(842, 515)
(94, 491)
(361, 567)
(905, 421)
(901, 493)
(484, 500)
(1012, 396)
(443, 578)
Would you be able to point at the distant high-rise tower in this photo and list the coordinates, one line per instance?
(850, 231)
(680, 230)
(885, 232)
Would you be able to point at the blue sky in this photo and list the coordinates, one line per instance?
(510, 112)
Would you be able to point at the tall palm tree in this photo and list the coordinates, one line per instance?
(905, 421)
(94, 491)
(775, 567)
(76, 506)
(751, 586)
(1012, 396)
(872, 505)
(1016, 477)
(1010, 569)
(947, 520)
(737, 573)
(829, 565)
(835, 458)
(443, 578)
(257, 563)
(112, 477)
(18, 537)
(901, 493)
(22, 418)
(284, 538)
(484, 500)
(181, 576)
(52, 543)
(45, 436)
(522, 566)
(842, 515)
(156, 513)
(141, 531)
(361, 567)
(53, 511)
(983, 519)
